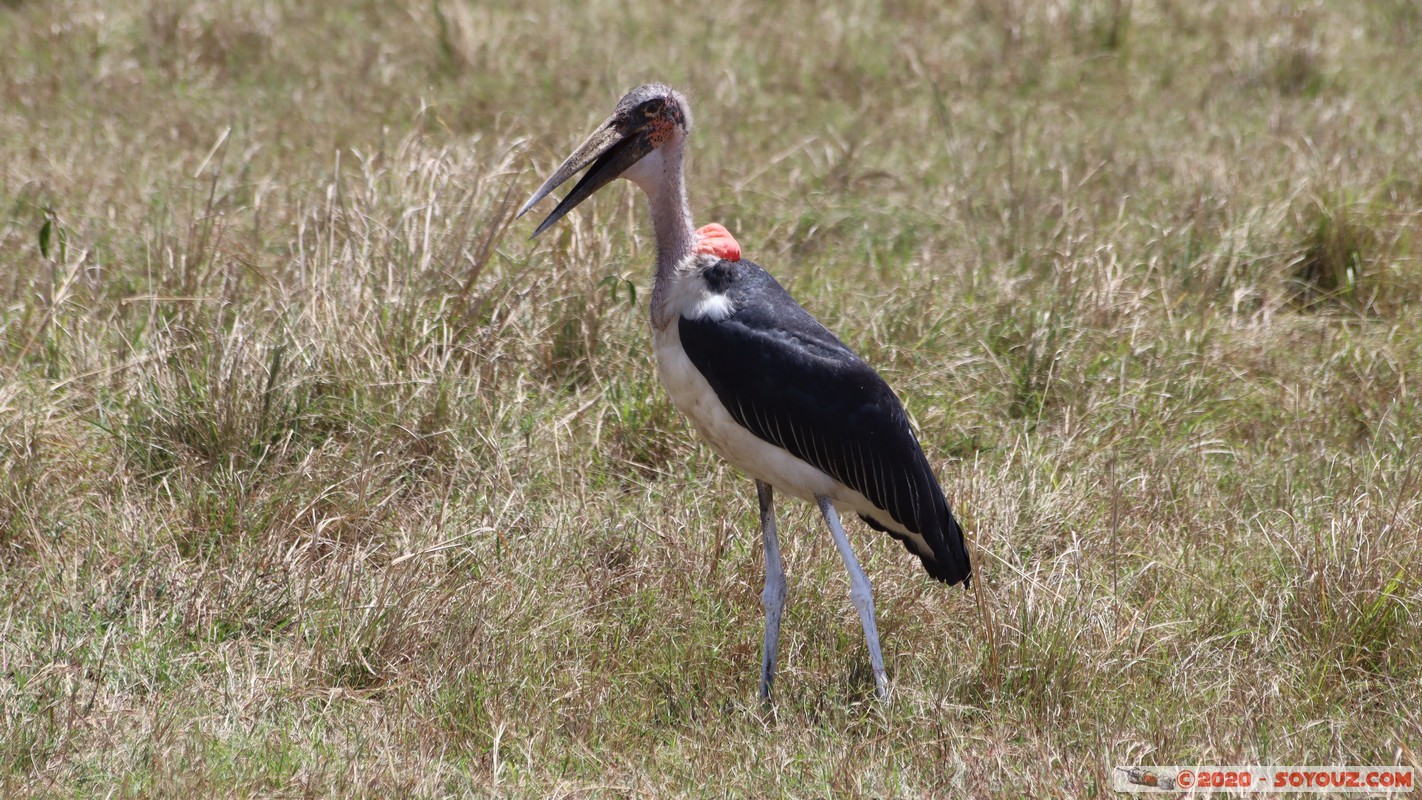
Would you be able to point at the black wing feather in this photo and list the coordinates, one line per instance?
(791, 382)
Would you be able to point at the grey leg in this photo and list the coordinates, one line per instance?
(773, 598)
(861, 594)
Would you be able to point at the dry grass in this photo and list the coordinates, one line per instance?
(319, 479)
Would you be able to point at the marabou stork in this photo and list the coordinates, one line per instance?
(770, 388)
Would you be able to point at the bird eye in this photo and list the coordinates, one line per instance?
(653, 107)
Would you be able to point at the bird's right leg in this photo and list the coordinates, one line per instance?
(773, 598)
(860, 593)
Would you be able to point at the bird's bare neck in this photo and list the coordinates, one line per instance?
(671, 221)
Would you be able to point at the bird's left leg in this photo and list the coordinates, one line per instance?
(773, 598)
(859, 592)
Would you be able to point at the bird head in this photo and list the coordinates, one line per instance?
(646, 119)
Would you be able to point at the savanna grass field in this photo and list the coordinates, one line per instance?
(319, 479)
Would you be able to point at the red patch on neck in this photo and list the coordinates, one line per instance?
(715, 240)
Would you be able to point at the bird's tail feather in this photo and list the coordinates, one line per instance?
(951, 564)
(946, 558)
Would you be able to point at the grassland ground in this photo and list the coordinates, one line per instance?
(318, 479)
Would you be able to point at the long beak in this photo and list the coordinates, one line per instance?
(609, 151)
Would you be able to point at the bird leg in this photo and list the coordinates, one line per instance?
(860, 593)
(773, 598)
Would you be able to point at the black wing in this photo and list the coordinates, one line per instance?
(791, 382)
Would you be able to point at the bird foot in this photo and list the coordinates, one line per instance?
(881, 688)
